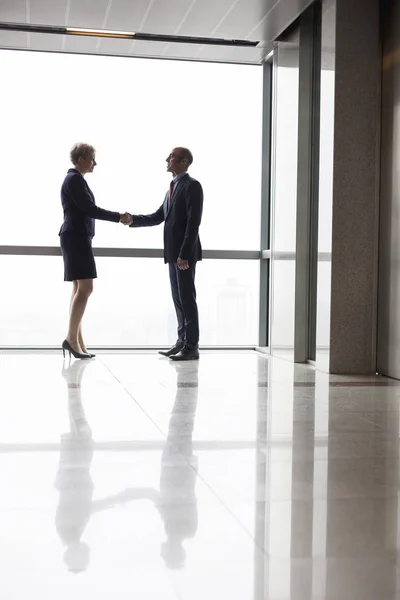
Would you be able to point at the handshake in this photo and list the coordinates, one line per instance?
(126, 218)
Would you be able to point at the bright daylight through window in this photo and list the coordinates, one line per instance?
(130, 110)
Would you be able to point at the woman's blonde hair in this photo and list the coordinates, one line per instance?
(80, 150)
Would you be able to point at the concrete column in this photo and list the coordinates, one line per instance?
(355, 187)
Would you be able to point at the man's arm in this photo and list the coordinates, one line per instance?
(194, 207)
(83, 200)
(148, 220)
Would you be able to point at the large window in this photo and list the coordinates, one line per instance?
(325, 214)
(133, 111)
(131, 305)
(283, 244)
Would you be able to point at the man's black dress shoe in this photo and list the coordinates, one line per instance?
(172, 351)
(187, 354)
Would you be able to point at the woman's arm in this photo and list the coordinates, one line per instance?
(83, 200)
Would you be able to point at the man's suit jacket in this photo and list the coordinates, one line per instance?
(79, 206)
(182, 221)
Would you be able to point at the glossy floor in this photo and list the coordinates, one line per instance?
(238, 477)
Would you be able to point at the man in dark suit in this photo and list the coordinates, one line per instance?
(181, 212)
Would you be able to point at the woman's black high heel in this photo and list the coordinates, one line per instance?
(67, 347)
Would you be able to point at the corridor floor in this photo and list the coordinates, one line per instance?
(238, 477)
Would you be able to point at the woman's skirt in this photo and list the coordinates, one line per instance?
(78, 256)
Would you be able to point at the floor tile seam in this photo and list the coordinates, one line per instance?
(308, 367)
(173, 585)
(377, 425)
(125, 389)
(232, 514)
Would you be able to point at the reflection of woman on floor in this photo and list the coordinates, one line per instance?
(73, 480)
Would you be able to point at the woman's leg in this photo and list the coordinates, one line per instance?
(74, 290)
(81, 343)
(81, 290)
(80, 340)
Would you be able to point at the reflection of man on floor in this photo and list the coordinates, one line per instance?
(176, 501)
(74, 481)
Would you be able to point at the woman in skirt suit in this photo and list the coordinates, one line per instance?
(76, 234)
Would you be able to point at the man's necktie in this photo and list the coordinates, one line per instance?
(171, 189)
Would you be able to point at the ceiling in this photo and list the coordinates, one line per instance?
(256, 20)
